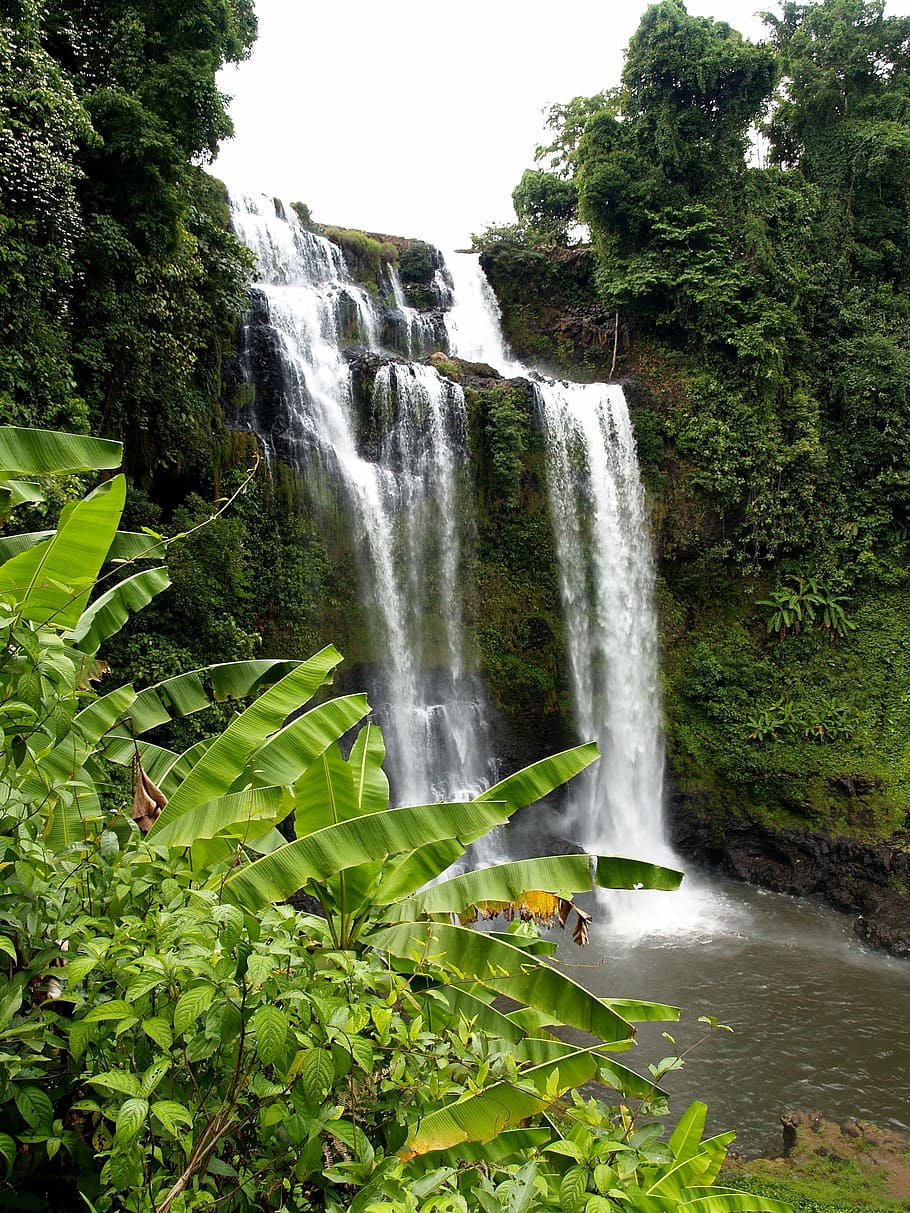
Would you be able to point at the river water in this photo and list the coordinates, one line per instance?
(821, 1024)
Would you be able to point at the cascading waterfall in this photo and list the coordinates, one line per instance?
(606, 578)
(419, 331)
(405, 504)
(421, 463)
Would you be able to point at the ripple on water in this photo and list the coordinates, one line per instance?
(820, 1022)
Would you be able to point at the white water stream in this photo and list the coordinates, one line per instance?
(406, 506)
(607, 586)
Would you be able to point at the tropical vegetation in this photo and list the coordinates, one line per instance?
(175, 1034)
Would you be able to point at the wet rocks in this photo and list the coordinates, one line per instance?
(867, 880)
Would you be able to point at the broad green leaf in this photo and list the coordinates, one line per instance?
(508, 970)
(136, 545)
(52, 581)
(269, 1026)
(80, 1033)
(727, 1201)
(108, 613)
(502, 1148)
(195, 690)
(130, 1119)
(117, 1080)
(285, 757)
(32, 452)
(686, 1172)
(616, 872)
(716, 1149)
(142, 984)
(686, 1137)
(12, 545)
(404, 876)
(158, 1030)
(642, 1012)
(115, 1008)
(8, 948)
(451, 1004)
(317, 1075)
(126, 545)
(325, 794)
(171, 1114)
(190, 1005)
(154, 1074)
(484, 1116)
(101, 715)
(34, 1106)
(532, 783)
(327, 852)
(370, 783)
(236, 809)
(78, 969)
(230, 753)
(21, 491)
(7, 1151)
(572, 1189)
(559, 874)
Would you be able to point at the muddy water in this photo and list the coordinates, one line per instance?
(820, 1023)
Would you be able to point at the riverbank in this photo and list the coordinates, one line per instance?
(852, 1167)
(867, 880)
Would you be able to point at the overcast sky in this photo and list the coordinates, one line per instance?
(415, 119)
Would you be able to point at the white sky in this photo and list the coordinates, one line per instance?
(400, 117)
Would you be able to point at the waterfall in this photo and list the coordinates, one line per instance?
(606, 582)
(406, 502)
(419, 331)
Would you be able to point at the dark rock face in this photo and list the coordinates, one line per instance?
(868, 880)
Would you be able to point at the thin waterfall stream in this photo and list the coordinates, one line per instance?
(606, 580)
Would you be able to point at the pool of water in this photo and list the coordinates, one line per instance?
(820, 1023)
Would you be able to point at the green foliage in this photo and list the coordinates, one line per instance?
(545, 204)
(417, 263)
(119, 282)
(806, 601)
(174, 1036)
(365, 255)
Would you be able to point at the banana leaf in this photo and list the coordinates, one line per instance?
(724, 1200)
(285, 757)
(52, 581)
(509, 1143)
(195, 690)
(370, 783)
(507, 970)
(108, 613)
(230, 753)
(262, 806)
(484, 1116)
(538, 780)
(446, 1005)
(403, 876)
(326, 853)
(33, 452)
(562, 875)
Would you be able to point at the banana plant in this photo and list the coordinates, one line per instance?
(52, 622)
